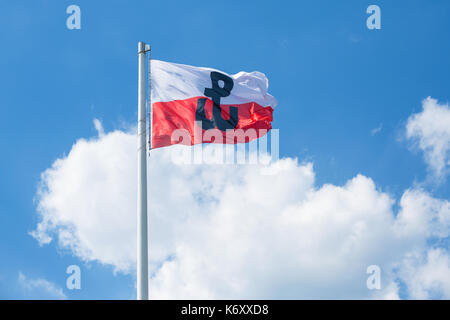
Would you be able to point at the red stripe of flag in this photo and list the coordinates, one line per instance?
(180, 114)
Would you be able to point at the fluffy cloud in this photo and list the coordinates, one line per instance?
(430, 130)
(428, 275)
(423, 215)
(241, 231)
(40, 288)
(88, 200)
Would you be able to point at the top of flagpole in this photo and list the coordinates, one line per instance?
(143, 47)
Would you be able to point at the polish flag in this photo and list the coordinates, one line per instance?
(193, 105)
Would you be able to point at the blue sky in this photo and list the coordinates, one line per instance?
(334, 79)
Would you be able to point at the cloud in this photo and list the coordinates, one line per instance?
(428, 276)
(430, 132)
(99, 127)
(40, 288)
(422, 215)
(87, 200)
(376, 130)
(239, 231)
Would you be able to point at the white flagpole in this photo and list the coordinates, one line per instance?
(142, 241)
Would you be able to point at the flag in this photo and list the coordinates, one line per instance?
(193, 105)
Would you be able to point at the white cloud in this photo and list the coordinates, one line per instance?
(40, 288)
(229, 231)
(99, 127)
(423, 215)
(88, 200)
(428, 275)
(430, 130)
(376, 130)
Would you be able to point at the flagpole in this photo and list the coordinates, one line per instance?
(142, 240)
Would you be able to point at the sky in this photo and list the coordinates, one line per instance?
(363, 117)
